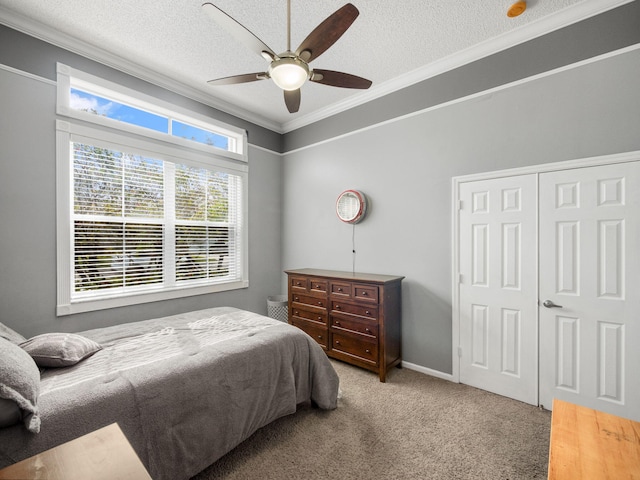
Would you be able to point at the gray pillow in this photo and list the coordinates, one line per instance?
(20, 382)
(59, 349)
(11, 335)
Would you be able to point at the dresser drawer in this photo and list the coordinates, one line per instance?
(309, 314)
(318, 333)
(366, 311)
(317, 302)
(366, 293)
(355, 324)
(340, 289)
(360, 346)
(298, 284)
(318, 286)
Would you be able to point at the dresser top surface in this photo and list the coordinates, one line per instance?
(357, 276)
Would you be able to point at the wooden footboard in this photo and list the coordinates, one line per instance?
(104, 454)
(589, 444)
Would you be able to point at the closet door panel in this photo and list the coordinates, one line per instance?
(590, 270)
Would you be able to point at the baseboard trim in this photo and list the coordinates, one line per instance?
(429, 371)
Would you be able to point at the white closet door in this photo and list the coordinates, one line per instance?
(498, 309)
(590, 269)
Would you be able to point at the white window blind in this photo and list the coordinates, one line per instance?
(118, 220)
(141, 223)
(206, 224)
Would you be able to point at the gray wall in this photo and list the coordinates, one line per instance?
(406, 166)
(27, 199)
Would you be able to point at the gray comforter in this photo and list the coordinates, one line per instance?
(184, 389)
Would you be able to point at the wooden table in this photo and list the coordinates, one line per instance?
(593, 445)
(104, 454)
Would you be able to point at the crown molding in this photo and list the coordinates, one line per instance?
(62, 40)
(530, 31)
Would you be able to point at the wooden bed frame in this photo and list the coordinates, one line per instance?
(587, 443)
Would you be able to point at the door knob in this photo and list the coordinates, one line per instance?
(550, 304)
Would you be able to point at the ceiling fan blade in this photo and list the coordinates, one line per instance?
(339, 79)
(245, 78)
(238, 31)
(292, 99)
(327, 33)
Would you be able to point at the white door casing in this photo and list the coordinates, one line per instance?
(498, 311)
(590, 266)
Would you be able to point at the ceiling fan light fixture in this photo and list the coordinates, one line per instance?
(289, 70)
(289, 73)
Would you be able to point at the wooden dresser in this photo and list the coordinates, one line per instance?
(355, 317)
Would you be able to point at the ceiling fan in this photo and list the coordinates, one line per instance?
(290, 70)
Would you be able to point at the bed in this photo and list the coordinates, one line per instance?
(184, 389)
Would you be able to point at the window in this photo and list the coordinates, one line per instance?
(151, 203)
(82, 100)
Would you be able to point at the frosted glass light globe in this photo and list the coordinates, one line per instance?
(289, 73)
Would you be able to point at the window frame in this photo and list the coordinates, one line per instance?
(84, 127)
(68, 77)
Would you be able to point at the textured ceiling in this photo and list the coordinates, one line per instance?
(389, 41)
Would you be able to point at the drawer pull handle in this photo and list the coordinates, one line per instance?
(320, 337)
(296, 299)
(319, 317)
(337, 323)
(337, 307)
(295, 312)
(367, 312)
(367, 330)
(298, 284)
(339, 289)
(317, 286)
(320, 303)
(367, 351)
(337, 342)
(364, 294)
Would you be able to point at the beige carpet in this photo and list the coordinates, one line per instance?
(412, 427)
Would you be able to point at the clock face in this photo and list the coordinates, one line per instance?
(351, 206)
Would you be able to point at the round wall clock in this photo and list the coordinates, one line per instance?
(351, 206)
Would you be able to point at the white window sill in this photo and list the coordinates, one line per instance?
(89, 305)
